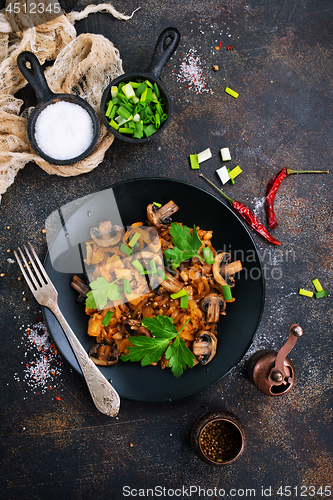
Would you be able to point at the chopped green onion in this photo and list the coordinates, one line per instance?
(138, 266)
(223, 174)
(306, 293)
(194, 162)
(158, 205)
(227, 292)
(134, 239)
(138, 133)
(225, 153)
(181, 293)
(232, 180)
(184, 301)
(157, 90)
(109, 108)
(135, 85)
(162, 274)
(122, 111)
(139, 102)
(141, 89)
(107, 318)
(317, 285)
(149, 130)
(231, 92)
(125, 249)
(153, 267)
(128, 91)
(114, 91)
(127, 287)
(235, 171)
(322, 293)
(208, 256)
(204, 155)
(114, 125)
(125, 130)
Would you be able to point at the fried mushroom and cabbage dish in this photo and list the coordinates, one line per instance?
(160, 285)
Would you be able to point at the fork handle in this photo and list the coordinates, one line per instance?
(104, 396)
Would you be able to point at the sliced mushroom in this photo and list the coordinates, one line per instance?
(213, 305)
(223, 269)
(81, 287)
(161, 217)
(103, 354)
(133, 328)
(171, 284)
(106, 235)
(204, 346)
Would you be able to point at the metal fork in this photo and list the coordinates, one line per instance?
(104, 396)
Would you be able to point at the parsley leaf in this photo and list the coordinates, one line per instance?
(183, 239)
(161, 326)
(166, 341)
(101, 291)
(186, 245)
(179, 356)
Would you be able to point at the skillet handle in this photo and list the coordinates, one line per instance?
(34, 75)
(165, 46)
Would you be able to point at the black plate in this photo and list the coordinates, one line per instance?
(235, 330)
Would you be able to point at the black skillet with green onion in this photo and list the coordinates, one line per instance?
(136, 107)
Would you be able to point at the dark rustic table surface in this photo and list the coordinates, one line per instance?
(278, 56)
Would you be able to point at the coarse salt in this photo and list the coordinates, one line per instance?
(191, 72)
(42, 365)
(63, 130)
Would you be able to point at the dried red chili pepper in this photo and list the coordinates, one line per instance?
(247, 214)
(273, 187)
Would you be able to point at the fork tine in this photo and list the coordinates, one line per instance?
(32, 276)
(26, 277)
(41, 267)
(37, 271)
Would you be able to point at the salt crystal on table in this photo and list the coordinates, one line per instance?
(64, 130)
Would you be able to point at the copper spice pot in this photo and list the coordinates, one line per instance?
(218, 437)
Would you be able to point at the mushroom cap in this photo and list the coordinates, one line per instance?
(106, 235)
(161, 217)
(204, 346)
(103, 354)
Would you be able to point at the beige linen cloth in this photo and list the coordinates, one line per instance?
(83, 65)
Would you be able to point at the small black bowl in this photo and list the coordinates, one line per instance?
(166, 45)
(45, 97)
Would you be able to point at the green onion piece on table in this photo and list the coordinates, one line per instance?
(194, 161)
(317, 285)
(305, 293)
